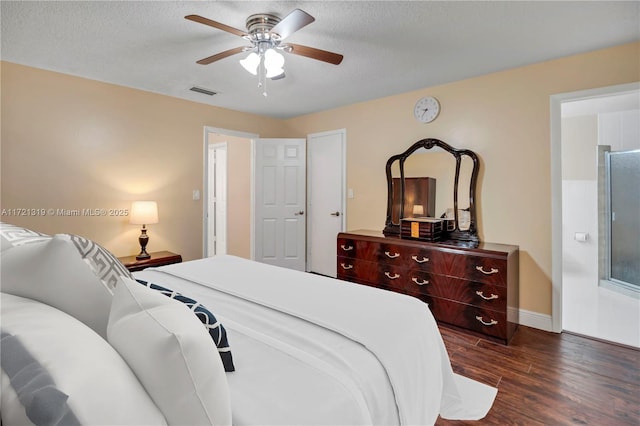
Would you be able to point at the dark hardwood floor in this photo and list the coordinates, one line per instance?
(550, 379)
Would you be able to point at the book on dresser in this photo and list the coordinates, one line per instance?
(473, 287)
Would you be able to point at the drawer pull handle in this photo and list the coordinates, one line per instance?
(493, 296)
(392, 277)
(346, 266)
(423, 260)
(492, 322)
(391, 256)
(419, 281)
(345, 248)
(491, 272)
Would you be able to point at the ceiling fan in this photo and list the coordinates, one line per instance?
(266, 33)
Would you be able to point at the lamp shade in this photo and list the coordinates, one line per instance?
(418, 210)
(144, 212)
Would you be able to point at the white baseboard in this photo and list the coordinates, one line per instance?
(531, 319)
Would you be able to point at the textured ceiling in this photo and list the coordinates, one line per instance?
(389, 47)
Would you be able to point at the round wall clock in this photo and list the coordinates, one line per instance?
(426, 109)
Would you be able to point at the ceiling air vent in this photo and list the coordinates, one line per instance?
(203, 91)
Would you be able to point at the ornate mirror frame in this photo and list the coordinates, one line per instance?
(469, 235)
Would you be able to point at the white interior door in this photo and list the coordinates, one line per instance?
(217, 199)
(326, 199)
(280, 202)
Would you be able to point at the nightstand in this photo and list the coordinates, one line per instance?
(158, 258)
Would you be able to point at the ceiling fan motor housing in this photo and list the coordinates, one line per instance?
(259, 25)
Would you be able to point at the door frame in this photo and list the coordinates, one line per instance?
(556, 102)
(343, 183)
(205, 167)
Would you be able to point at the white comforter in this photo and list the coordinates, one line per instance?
(314, 350)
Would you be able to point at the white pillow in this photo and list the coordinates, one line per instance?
(54, 272)
(171, 353)
(101, 387)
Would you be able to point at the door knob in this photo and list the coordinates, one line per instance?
(335, 214)
(300, 213)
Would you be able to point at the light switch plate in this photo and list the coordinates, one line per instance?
(196, 194)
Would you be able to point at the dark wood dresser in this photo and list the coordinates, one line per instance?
(472, 288)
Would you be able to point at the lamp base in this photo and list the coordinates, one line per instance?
(143, 256)
(143, 239)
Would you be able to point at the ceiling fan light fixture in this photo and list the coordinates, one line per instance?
(274, 72)
(251, 62)
(273, 59)
(273, 62)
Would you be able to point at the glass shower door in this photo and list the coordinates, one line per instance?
(624, 217)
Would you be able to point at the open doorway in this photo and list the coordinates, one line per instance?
(227, 194)
(217, 199)
(584, 125)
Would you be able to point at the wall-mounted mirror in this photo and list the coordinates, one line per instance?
(431, 181)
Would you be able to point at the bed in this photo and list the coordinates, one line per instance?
(306, 349)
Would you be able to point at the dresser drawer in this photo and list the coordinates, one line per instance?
(416, 258)
(391, 277)
(482, 295)
(369, 251)
(347, 248)
(357, 270)
(479, 268)
(381, 275)
(491, 323)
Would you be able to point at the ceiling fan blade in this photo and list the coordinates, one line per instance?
(214, 24)
(221, 55)
(291, 23)
(313, 53)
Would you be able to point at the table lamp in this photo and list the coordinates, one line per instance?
(418, 210)
(143, 213)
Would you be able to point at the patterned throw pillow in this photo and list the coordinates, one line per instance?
(214, 327)
(170, 354)
(103, 263)
(54, 272)
(12, 236)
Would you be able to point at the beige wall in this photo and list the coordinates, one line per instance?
(504, 118)
(70, 142)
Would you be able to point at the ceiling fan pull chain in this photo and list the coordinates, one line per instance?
(262, 78)
(264, 84)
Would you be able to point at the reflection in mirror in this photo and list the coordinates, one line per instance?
(419, 198)
(433, 180)
(438, 165)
